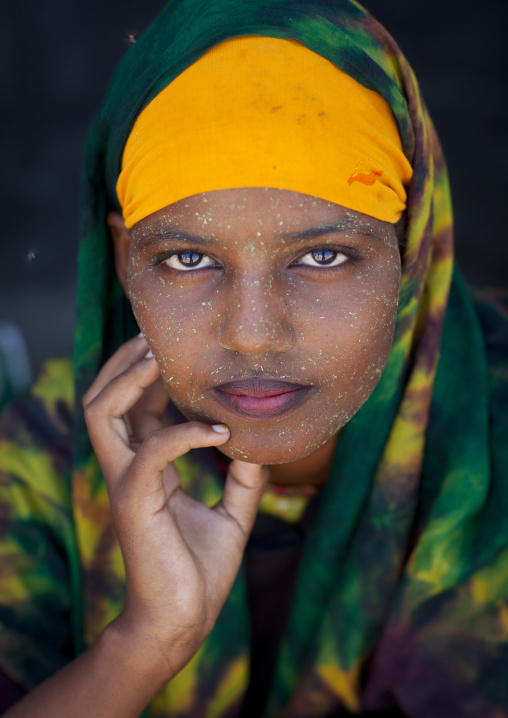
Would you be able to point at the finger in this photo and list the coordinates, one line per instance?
(129, 353)
(161, 448)
(146, 415)
(124, 390)
(244, 487)
(155, 398)
(104, 416)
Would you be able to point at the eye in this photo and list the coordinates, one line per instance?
(323, 257)
(185, 261)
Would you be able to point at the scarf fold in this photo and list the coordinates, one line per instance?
(401, 593)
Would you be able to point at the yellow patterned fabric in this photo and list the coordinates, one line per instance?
(286, 503)
(395, 604)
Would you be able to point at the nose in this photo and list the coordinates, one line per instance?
(257, 319)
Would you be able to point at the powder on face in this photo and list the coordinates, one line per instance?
(273, 284)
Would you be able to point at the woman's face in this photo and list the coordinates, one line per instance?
(268, 310)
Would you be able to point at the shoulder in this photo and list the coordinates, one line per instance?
(36, 531)
(491, 307)
(36, 442)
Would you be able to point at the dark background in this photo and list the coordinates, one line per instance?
(55, 60)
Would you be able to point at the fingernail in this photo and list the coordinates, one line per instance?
(149, 354)
(220, 428)
(140, 335)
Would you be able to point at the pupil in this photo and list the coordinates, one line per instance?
(189, 258)
(324, 256)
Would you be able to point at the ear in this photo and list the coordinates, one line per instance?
(121, 242)
(401, 232)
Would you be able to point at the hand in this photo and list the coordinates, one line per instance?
(181, 557)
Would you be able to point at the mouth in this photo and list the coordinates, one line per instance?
(257, 398)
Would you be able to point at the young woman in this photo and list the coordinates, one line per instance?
(266, 200)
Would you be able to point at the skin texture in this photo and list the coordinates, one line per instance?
(254, 307)
(256, 310)
(181, 557)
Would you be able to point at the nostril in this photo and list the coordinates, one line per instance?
(256, 319)
(256, 337)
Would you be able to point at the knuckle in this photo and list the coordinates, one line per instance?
(87, 398)
(90, 412)
(197, 426)
(194, 431)
(95, 408)
(189, 436)
(152, 441)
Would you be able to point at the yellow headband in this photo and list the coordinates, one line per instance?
(264, 112)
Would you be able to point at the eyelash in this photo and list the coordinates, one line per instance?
(348, 252)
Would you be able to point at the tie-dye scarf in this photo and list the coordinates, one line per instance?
(401, 598)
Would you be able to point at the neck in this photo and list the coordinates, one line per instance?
(312, 470)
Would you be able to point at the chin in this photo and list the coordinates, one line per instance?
(246, 444)
(276, 444)
(259, 452)
(257, 455)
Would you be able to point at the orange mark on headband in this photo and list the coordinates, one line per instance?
(364, 178)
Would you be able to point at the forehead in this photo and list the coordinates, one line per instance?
(264, 210)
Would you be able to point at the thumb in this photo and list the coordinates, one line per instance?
(244, 487)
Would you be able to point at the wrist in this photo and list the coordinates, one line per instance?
(137, 656)
(154, 659)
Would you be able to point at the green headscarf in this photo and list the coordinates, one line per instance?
(401, 597)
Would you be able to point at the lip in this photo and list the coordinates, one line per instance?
(257, 398)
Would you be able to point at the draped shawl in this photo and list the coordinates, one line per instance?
(401, 597)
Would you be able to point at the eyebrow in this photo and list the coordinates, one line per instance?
(351, 226)
(345, 225)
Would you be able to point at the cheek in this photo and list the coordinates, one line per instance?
(353, 332)
(176, 331)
